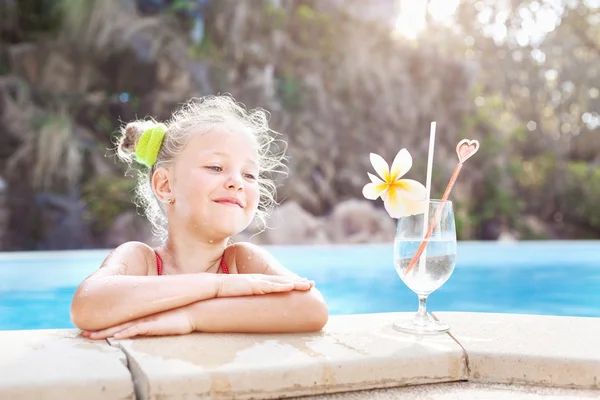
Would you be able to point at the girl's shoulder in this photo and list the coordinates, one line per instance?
(240, 249)
(136, 248)
(235, 254)
(248, 258)
(137, 258)
(230, 256)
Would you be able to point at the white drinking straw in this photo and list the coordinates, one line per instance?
(428, 187)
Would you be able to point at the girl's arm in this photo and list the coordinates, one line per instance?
(272, 313)
(294, 311)
(121, 291)
(281, 312)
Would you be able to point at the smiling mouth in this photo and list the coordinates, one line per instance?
(228, 202)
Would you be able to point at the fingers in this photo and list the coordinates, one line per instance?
(278, 283)
(265, 287)
(168, 323)
(280, 278)
(109, 332)
(297, 282)
(304, 285)
(140, 329)
(256, 284)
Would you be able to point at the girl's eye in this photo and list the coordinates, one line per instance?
(215, 168)
(250, 176)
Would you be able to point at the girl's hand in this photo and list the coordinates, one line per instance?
(235, 285)
(171, 322)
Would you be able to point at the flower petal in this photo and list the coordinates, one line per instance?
(401, 165)
(411, 189)
(381, 167)
(373, 190)
(393, 203)
(414, 207)
(374, 179)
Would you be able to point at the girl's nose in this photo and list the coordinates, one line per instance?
(234, 181)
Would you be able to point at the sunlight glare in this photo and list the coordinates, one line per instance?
(442, 10)
(411, 20)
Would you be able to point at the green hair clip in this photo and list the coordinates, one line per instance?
(149, 144)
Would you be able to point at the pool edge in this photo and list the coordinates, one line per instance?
(353, 353)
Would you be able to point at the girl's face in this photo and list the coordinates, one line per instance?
(214, 183)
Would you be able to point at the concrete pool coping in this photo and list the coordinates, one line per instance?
(558, 356)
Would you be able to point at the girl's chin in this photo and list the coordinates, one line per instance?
(224, 229)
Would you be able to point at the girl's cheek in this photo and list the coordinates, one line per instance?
(255, 195)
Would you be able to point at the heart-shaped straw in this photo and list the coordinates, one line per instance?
(464, 149)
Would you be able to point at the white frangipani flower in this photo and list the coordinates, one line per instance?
(401, 197)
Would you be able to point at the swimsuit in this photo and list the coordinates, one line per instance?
(159, 264)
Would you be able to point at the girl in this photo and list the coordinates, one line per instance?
(204, 181)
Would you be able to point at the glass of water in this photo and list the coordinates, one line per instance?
(431, 264)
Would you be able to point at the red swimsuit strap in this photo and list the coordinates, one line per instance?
(224, 265)
(159, 264)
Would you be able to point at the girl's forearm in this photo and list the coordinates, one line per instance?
(104, 302)
(296, 311)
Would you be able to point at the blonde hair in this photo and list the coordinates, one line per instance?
(198, 116)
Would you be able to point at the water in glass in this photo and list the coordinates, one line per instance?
(435, 264)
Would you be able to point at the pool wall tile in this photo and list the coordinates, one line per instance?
(529, 349)
(353, 352)
(60, 364)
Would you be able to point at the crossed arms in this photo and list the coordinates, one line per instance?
(120, 300)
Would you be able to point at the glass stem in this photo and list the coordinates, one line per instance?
(422, 313)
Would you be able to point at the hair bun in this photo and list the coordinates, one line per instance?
(129, 138)
(133, 132)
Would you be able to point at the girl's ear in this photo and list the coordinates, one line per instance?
(161, 184)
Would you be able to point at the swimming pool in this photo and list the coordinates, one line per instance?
(555, 278)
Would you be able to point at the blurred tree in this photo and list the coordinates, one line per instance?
(26, 19)
(538, 76)
(519, 75)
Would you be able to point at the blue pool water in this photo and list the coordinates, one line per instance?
(555, 278)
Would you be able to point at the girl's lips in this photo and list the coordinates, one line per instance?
(229, 201)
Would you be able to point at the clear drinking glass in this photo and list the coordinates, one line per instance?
(435, 264)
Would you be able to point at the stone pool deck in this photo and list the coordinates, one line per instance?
(492, 356)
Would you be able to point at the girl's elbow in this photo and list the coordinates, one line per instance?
(79, 317)
(80, 313)
(320, 317)
(85, 319)
(318, 314)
